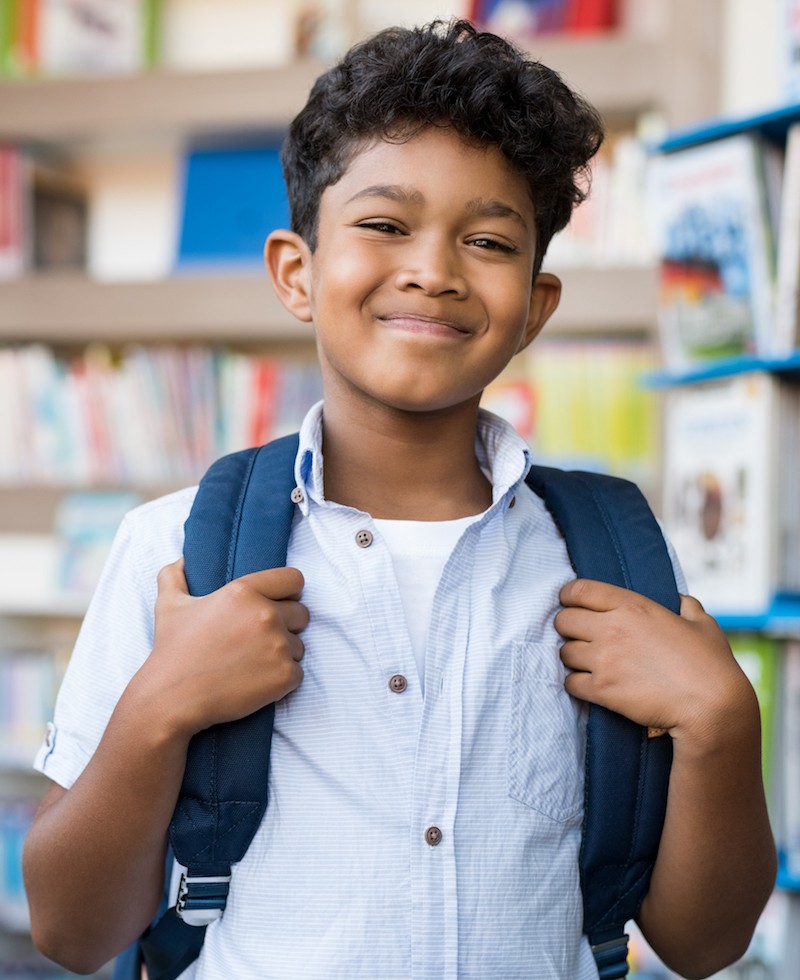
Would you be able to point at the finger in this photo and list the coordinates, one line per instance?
(276, 583)
(575, 655)
(590, 594)
(577, 623)
(171, 578)
(296, 648)
(294, 615)
(579, 685)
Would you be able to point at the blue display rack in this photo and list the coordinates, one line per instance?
(781, 617)
(788, 366)
(773, 125)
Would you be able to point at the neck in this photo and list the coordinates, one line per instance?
(404, 465)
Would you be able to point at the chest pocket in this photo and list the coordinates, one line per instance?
(546, 743)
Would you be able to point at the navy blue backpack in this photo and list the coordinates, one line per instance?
(611, 536)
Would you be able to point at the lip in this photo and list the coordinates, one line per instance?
(419, 323)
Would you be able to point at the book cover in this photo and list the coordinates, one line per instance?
(789, 820)
(14, 211)
(710, 219)
(232, 199)
(60, 208)
(721, 495)
(787, 287)
(759, 656)
(520, 18)
(94, 36)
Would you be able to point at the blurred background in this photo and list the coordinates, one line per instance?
(140, 339)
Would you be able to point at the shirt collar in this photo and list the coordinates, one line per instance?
(502, 453)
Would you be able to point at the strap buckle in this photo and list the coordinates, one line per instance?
(611, 958)
(201, 900)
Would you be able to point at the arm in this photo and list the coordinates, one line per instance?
(716, 863)
(94, 857)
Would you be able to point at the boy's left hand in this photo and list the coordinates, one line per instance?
(630, 654)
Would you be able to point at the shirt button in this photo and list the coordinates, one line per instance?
(297, 495)
(398, 683)
(433, 836)
(364, 539)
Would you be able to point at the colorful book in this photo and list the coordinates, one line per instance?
(786, 336)
(711, 219)
(759, 656)
(730, 489)
(14, 211)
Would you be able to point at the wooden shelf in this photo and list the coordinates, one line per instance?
(215, 308)
(243, 308)
(621, 75)
(167, 103)
(609, 301)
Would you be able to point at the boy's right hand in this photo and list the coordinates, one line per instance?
(220, 657)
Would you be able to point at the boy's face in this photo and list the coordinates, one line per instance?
(420, 287)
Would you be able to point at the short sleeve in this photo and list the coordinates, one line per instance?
(116, 635)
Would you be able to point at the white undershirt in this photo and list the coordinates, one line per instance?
(419, 551)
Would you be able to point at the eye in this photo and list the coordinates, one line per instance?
(492, 244)
(386, 227)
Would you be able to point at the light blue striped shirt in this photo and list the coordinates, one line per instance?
(429, 838)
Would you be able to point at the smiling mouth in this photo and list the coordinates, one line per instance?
(430, 326)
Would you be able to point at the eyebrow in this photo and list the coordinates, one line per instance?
(494, 209)
(478, 206)
(394, 192)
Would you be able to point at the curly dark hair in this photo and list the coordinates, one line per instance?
(401, 80)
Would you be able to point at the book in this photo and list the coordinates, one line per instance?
(144, 416)
(96, 37)
(788, 38)
(520, 18)
(85, 37)
(206, 35)
(729, 507)
(581, 405)
(711, 221)
(60, 209)
(789, 818)
(232, 198)
(759, 656)
(787, 286)
(14, 212)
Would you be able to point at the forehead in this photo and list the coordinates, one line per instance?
(434, 163)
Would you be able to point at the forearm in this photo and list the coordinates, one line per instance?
(716, 862)
(94, 859)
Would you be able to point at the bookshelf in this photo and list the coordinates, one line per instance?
(769, 474)
(676, 73)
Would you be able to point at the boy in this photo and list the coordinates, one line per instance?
(426, 771)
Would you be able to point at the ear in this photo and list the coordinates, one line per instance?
(288, 262)
(545, 294)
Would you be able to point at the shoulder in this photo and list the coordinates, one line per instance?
(151, 536)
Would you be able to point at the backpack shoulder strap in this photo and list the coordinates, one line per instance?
(611, 535)
(239, 523)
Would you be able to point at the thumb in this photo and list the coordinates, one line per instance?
(691, 608)
(171, 580)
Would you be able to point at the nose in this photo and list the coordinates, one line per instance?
(432, 266)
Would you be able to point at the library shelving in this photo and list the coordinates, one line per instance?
(675, 72)
(737, 509)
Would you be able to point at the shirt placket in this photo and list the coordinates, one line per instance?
(437, 776)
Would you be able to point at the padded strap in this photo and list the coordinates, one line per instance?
(612, 536)
(240, 523)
